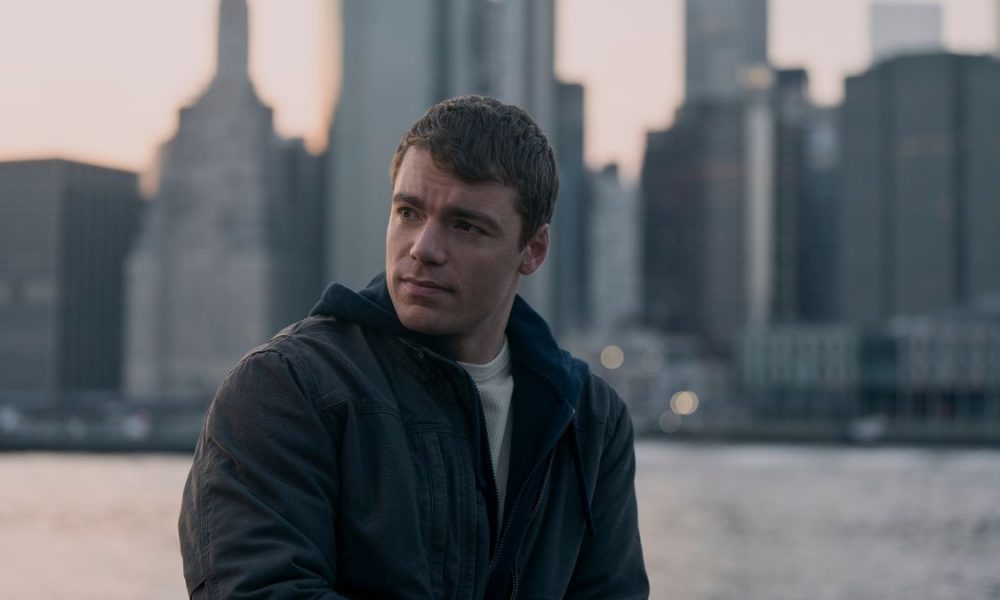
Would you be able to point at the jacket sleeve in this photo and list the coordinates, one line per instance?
(610, 563)
(257, 514)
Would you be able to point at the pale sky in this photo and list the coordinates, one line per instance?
(102, 80)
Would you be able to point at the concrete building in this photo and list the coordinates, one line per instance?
(672, 229)
(917, 212)
(899, 28)
(398, 59)
(720, 202)
(65, 228)
(911, 370)
(694, 223)
(817, 217)
(801, 371)
(723, 39)
(571, 233)
(613, 280)
(229, 250)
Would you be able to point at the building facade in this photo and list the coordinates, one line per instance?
(918, 206)
(721, 212)
(65, 228)
(899, 28)
(571, 240)
(942, 369)
(613, 279)
(229, 250)
(723, 39)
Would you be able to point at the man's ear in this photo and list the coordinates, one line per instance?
(533, 254)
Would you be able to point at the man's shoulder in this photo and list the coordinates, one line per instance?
(320, 334)
(600, 408)
(323, 354)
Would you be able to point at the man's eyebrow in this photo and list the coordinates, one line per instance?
(408, 198)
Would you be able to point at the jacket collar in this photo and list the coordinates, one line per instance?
(531, 340)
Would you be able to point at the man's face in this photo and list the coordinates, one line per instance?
(453, 258)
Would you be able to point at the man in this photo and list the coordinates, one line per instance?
(425, 437)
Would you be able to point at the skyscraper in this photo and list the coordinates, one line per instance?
(722, 40)
(571, 243)
(65, 228)
(613, 281)
(918, 209)
(398, 59)
(229, 248)
(818, 217)
(904, 28)
(721, 194)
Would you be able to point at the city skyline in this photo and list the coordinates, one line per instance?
(108, 91)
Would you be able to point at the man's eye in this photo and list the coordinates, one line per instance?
(406, 213)
(466, 226)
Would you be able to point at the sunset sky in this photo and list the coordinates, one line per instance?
(102, 80)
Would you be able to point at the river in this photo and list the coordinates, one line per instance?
(719, 522)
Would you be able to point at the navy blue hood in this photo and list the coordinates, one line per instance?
(531, 340)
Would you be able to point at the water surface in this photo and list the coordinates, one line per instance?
(727, 522)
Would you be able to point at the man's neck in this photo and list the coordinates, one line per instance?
(476, 350)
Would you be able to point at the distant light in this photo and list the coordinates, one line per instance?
(612, 357)
(669, 422)
(758, 78)
(684, 403)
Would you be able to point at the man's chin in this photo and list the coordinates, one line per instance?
(423, 320)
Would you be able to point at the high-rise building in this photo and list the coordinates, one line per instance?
(613, 280)
(818, 217)
(570, 242)
(65, 228)
(694, 223)
(723, 39)
(918, 205)
(719, 189)
(721, 194)
(400, 58)
(899, 28)
(792, 120)
(229, 250)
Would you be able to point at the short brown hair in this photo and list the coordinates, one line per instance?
(478, 139)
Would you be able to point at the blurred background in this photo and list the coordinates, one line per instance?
(777, 236)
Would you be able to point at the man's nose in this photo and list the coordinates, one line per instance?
(428, 246)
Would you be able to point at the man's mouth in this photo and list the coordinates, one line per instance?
(428, 285)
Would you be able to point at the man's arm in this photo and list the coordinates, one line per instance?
(610, 564)
(257, 516)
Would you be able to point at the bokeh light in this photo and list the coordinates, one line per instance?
(612, 357)
(684, 403)
(670, 422)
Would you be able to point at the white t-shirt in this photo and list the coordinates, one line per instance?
(496, 387)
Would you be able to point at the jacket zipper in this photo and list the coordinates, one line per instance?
(520, 495)
(531, 517)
